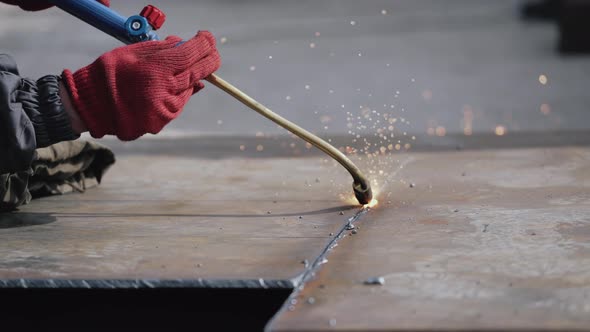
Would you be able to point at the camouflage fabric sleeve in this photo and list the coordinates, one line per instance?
(13, 190)
(66, 167)
(62, 168)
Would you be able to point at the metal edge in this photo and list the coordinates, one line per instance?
(309, 274)
(145, 284)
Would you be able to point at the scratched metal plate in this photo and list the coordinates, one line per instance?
(159, 220)
(484, 240)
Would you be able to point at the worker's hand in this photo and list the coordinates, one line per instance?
(138, 89)
(35, 5)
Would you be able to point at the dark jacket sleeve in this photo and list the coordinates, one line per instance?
(31, 116)
(29, 5)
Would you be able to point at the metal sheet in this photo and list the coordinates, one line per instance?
(158, 219)
(483, 240)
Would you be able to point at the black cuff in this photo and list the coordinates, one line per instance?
(42, 103)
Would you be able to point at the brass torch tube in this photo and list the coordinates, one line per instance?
(357, 175)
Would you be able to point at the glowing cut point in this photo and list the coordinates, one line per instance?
(372, 203)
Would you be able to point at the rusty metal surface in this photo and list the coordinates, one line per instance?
(158, 220)
(483, 240)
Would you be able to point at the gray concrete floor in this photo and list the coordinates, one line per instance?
(464, 54)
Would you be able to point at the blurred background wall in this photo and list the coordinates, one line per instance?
(453, 66)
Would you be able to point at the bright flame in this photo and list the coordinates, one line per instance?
(349, 199)
(372, 203)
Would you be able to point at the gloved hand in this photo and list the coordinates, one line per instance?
(35, 5)
(138, 89)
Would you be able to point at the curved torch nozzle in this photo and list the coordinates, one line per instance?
(363, 192)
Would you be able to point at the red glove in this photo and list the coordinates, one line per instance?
(138, 89)
(35, 5)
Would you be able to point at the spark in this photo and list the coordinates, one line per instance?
(223, 40)
(500, 130)
(373, 203)
(352, 22)
(467, 120)
(378, 154)
(383, 12)
(441, 131)
(543, 79)
(252, 68)
(260, 148)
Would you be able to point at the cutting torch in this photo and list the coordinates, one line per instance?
(143, 27)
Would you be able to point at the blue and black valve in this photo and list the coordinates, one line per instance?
(129, 30)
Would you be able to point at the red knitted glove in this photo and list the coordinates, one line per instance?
(138, 89)
(35, 5)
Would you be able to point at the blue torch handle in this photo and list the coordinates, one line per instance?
(129, 30)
